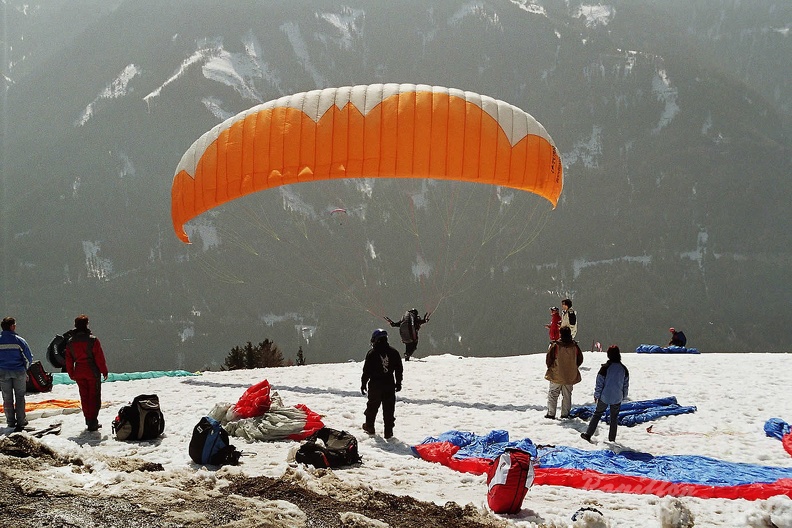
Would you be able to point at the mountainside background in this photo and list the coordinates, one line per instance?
(672, 119)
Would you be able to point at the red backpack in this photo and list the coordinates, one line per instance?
(508, 478)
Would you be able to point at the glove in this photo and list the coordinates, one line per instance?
(363, 390)
(398, 387)
(426, 316)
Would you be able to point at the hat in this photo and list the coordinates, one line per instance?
(554, 309)
(671, 330)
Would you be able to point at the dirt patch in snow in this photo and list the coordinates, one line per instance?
(147, 496)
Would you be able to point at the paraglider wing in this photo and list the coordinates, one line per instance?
(378, 130)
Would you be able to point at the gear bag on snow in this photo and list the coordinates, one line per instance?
(508, 479)
(329, 448)
(407, 330)
(209, 444)
(38, 379)
(141, 419)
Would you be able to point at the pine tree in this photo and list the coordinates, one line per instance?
(300, 357)
(265, 354)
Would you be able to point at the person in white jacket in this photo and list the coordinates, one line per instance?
(613, 384)
(568, 316)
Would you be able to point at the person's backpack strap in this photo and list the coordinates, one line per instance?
(89, 353)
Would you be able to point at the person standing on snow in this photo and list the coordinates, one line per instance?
(554, 325)
(612, 386)
(409, 325)
(382, 379)
(563, 360)
(15, 360)
(85, 364)
(568, 316)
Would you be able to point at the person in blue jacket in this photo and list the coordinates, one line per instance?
(15, 360)
(613, 384)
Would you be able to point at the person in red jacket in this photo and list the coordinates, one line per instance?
(555, 324)
(85, 364)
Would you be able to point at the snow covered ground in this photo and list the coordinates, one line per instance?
(734, 393)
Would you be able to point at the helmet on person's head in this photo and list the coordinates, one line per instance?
(672, 330)
(413, 311)
(378, 334)
(554, 309)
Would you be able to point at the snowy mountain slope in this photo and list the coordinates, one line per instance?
(675, 161)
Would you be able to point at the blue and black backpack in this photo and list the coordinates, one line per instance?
(210, 445)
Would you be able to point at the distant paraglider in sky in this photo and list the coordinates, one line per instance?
(373, 131)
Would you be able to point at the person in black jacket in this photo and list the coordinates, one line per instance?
(677, 338)
(382, 379)
(409, 325)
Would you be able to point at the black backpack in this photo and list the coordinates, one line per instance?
(329, 448)
(209, 444)
(141, 419)
(407, 330)
(56, 351)
(38, 379)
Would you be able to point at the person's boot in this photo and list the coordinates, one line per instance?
(388, 433)
(369, 428)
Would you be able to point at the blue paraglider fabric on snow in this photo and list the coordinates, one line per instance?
(489, 446)
(691, 469)
(657, 349)
(777, 428)
(637, 412)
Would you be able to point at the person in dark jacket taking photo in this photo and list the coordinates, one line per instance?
(382, 379)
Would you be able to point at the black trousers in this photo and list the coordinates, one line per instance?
(384, 395)
(410, 348)
(614, 419)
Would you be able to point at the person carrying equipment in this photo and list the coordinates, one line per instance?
(409, 325)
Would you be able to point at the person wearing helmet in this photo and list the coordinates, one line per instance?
(381, 379)
(409, 325)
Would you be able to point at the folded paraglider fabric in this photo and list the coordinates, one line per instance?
(778, 428)
(657, 349)
(625, 472)
(255, 401)
(259, 414)
(637, 412)
(468, 452)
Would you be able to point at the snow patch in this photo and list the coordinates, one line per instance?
(579, 265)
(587, 151)
(206, 230)
(347, 23)
(529, 6)
(292, 31)
(595, 15)
(661, 87)
(96, 266)
(117, 88)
